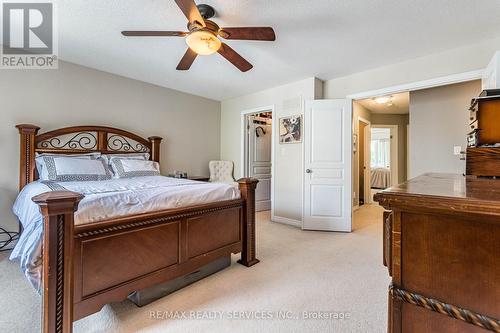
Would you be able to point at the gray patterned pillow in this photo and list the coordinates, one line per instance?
(66, 169)
(127, 168)
(39, 158)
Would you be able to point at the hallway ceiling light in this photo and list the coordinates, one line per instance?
(383, 99)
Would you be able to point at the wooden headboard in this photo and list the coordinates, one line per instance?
(77, 140)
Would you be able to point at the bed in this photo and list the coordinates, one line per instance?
(94, 252)
(380, 178)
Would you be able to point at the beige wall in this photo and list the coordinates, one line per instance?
(358, 111)
(288, 163)
(402, 120)
(439, 119)
(75, 95)
(460, 60)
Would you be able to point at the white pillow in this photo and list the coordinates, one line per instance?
(73, 169)
(126, 168)
(131, 156)
(39, 160)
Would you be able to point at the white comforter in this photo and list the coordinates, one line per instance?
(105, 200)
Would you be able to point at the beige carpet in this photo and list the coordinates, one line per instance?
(338, 274)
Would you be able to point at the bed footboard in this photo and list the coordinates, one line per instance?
(58, 210)
(65, 254)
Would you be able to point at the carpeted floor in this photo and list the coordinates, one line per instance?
(338, 276)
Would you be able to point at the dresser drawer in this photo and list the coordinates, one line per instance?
(474, 126)
(472, 139)
(474, 105)
(472, 115)
(483, 162)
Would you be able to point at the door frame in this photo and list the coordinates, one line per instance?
(367, 153)
(439, 81)
(244, 144)
(394, 151)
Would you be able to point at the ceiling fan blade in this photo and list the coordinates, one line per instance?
(233, 57)
(250, 33)
(189, 9)
(154, 33)
(187, 60)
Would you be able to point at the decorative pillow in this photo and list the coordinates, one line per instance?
(39, 158)
(65, 169)
(127, 168)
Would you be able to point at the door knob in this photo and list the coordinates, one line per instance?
(308, 170)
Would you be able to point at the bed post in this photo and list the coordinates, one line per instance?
(247, 189)
(27, 135)
(155, 148)
(58, 210)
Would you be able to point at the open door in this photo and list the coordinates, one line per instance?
(327, 166)
(259, 159)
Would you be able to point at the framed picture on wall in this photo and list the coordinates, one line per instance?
(290, 129)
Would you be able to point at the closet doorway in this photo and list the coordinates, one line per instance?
(258, 154)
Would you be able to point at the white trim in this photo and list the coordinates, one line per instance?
(243, 146)
(285, 220)
(436, 82)
(355, 208)
(394, 151)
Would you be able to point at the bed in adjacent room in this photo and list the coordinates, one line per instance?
(100, 222)
(380, 178)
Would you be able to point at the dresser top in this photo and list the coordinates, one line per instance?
(441, 191)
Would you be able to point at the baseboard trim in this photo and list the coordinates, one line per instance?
(355, 208)
(285, 220)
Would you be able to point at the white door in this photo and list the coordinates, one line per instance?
(259, 157)
(327, 167)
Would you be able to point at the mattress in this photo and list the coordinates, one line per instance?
(105, 200)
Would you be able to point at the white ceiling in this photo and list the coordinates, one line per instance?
(322, 38)
(400, 104)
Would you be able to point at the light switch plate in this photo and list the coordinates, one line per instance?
(457, 150)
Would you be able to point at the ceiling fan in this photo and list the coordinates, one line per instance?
(203, 36)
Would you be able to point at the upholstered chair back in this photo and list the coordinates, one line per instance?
(221, 171)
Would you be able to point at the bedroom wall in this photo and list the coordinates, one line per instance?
(439, 119)
(287, 100)
(76, 95)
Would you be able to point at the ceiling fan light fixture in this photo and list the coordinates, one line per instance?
(203, 42)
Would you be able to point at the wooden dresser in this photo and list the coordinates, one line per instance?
(442, 249)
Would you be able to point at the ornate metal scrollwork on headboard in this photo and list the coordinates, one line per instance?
(81, 140)
(120, 143)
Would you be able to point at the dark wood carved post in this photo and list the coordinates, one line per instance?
(247, 189)
(27, 135)
(58, 210)
(155, 147)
